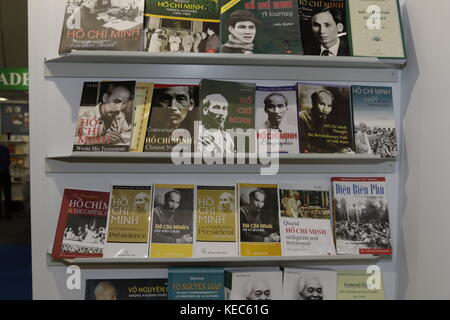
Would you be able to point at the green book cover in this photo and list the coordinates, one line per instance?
(353, 285)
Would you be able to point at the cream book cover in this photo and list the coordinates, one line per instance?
(359, 285)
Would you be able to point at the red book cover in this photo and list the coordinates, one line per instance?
(81, 226)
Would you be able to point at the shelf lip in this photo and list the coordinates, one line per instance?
(267, 60)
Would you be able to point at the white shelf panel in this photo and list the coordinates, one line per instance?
(221, 66)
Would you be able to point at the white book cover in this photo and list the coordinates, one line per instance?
(309, 284)
(305, 220)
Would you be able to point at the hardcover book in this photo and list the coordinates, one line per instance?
(115, 25)
(309, 284)
(182, 26)
(105, 116)
(361, 216)
(259, 221)
(142, 106)
(359, 285)
(277, 119)
(126, 289)
(260, 26)
(174, 110)
(305, 220)
(216, 222)
(127, 233)
(196, 284)
(323, 27)
(325, 119)
(257, 283)
(376, 29)
(81, 229)
(373, 117)
(172, 221)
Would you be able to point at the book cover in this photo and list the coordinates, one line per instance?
(323, 27)
(172, 221)
(305, 220)
(142, 106)
(115, 25)
(259, 220)
(309, 284)
(227, 112)
(173, 112)
(216, 221)
(182, 26)
(376, 29)
(105, 116)
(196, 283)
(373, 117)
(81, 229)
(260, 26)
(126, 289)
(257, 283)
(359, 285)
(127, 233)
(325, 119)
(361, 216)
(277, 119)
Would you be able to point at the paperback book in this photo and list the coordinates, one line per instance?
(360, 285)
(142, 107)
(309, 284)
(126, 289)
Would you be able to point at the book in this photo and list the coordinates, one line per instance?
(105, 116)
(260, 26)
(189, 26)
(309, 284)
(174, 110)
(126, 289)
(196, 283)
(359, 285)
(216, 222)
(305, 220)
(277, 119)
(323, 27)
(127, 232)
(376, 29)
(102, 25)
(373, 117)
(361, 216)
(81, 229)
(258, 220)
(257, 283)
(325, 119)
(142, 106)
(172, 221)
(227, 112)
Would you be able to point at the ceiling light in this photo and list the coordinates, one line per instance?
(3, 99)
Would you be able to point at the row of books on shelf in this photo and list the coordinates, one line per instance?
(310, 27)
(247, 220)
(221, 118)
(263, 283)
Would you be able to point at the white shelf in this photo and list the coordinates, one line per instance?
(110, 64)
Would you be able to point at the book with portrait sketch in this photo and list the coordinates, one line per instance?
(81, 229)
(142, 107)
(360, 285)
(188, 26)
(259, 224)
(260, 26)
(373, 117)
(173, 114)
(277, 119)
(361, 216)
(309, 284)
(112, 25)
(216, 222)
(105, 117)
(325, 118)
(127, 232)
(376, 28)
(305, 220)
(126, 289)
(323, 28)
(173, 223)
(254, 283)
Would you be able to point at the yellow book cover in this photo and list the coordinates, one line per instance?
(360, 285)
(143, 101)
